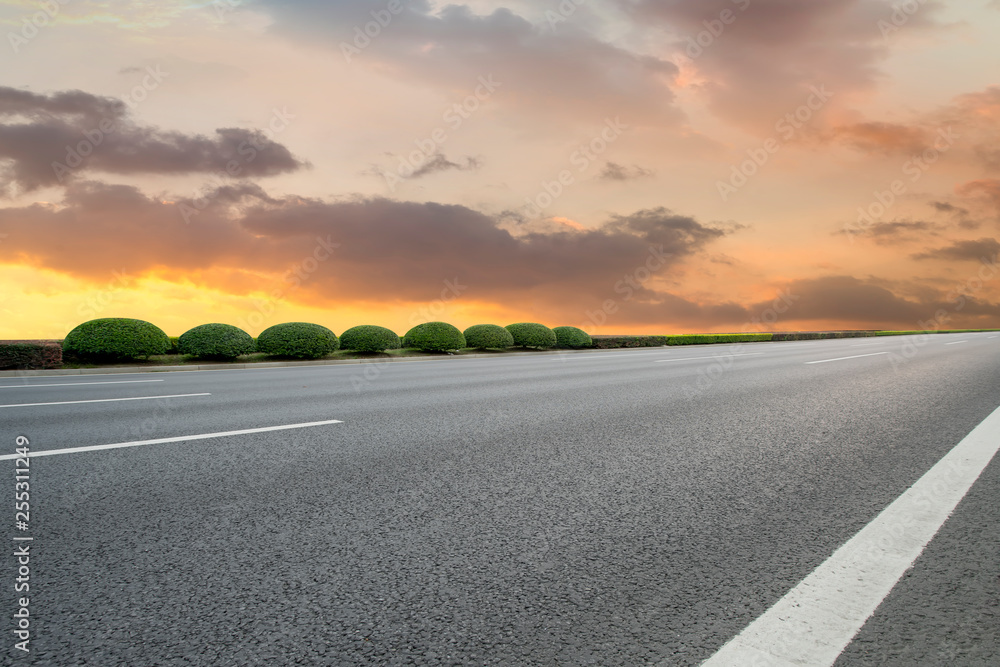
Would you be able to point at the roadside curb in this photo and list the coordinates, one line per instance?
(125, 370)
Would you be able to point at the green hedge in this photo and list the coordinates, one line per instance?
(612, 342)
(710, 339)
(615, 342)
(116, 338)
(369, 338)
(488, 337)
(216, 341)
(299, 340)
(931, 331)
(532, 334)
(175, 342)
(571, 337)
(25, 355)
(819, 335)
(434, 337)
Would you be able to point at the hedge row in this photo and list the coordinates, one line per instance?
(818, 335)
(25, 355)
(710, 339)
(114, 339)
(614, 342)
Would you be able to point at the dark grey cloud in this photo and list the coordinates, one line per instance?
(52, 139)
(946, 207)
(971, 250)
(867, 304)
(568, 71)
(613, 171)
(438, 163)
(388, 250)
(242, 241)
(899, 231)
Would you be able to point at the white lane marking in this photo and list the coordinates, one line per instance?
(75, 384)
(714, 356)
(101, 400)
(856, 356)
(957, 342)
(818, 618)
(991, 337)
(160, 441)
(868, 344)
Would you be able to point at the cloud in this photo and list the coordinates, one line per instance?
(972, 118)
(615, 172)
(438, 162)
(946, 207)
(761, 63)
(374, 251)
(567, 72)
(897, 231)
(977, 250)
(388, 250)
(987, 187)
(867, 304)
(887, 138)
(51, 139)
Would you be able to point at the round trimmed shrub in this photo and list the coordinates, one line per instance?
(488, 336)
(369, 338)
(216, 341)
(572, 337)
(300, 340)
(532, 334)
(434, 337)
(114, 338)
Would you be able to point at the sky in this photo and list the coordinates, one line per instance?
(623, 166)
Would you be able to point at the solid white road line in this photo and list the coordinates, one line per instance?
(957, 342)
(100, 400)
(716, 356)
(160, 441)
(76, 384)
(856, 356)
(818, 618)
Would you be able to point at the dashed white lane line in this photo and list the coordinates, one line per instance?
(856, 356)
(714, 356)
(957, 342)
(100, 400)
(75, 384)
(868, 344)
(818, 618)
(160, 441)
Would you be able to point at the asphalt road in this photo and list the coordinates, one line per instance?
(624, 507)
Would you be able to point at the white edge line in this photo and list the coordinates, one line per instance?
(100, 400)
(75, 384)
(160, 441)
(857, 356)
(813, 623)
